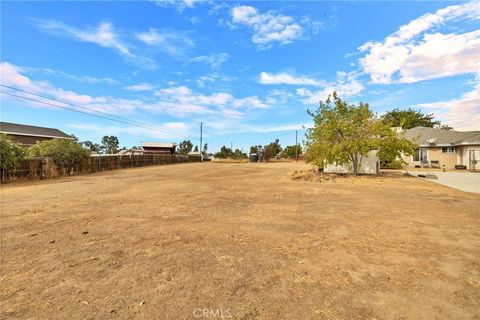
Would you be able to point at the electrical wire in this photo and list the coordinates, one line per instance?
(83, 112)
(92, 112)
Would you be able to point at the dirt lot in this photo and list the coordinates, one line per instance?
(242, 241)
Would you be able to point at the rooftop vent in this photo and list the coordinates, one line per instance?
(432, 140)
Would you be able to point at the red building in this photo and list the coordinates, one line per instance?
(158, 147)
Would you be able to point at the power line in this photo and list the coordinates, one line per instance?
(83, 112)
(109, 116)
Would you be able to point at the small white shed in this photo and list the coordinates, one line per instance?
(370, 164)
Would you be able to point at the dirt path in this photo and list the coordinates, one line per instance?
(240, 240)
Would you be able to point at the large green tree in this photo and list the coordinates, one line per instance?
(410, 118)
(344, 133)
(271, 150)
(184, 147)
(110, 144)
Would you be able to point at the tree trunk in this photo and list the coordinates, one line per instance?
(354, 158)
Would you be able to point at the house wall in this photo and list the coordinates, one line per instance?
(158, 150)
(369, 165)
(460, 156)
(449, 160)
(409, 163)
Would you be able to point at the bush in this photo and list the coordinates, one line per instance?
(64, 153)
(10, 153)
(393, 164)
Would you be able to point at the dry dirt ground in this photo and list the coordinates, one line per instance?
(238, 240)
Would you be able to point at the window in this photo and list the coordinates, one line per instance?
(420, 155)
(448, 149)
(416, 156)
(423, 155)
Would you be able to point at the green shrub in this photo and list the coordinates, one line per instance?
(10, 153)
(64, 153)
(392, 164)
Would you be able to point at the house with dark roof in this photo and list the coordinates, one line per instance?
(444, 148)
(29, 135)
(158, 147)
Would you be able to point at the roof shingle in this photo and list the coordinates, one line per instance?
(25, 130)
(431, 136)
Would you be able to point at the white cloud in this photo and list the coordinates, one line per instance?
(214, 60)
(462, 113)
(286, 78)
(418, 52)
(225, 127)
(219, 103)
(169, 130)
(268, 28)
(140, 87)
(180, 5)
(346, 85)
(177, 101)
(104, 35)
(84, 79)
(213, 77)
(172, 43)
(278, 97)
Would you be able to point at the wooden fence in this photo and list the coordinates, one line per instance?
(46, 168)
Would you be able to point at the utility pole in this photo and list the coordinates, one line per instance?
(296, 146)
(201, 139)
(231, 145)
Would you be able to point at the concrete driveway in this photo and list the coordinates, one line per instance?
(464, 181)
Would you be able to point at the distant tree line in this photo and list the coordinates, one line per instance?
(108, 145)
(227, 153)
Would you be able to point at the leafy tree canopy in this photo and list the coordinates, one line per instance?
(410, 118)
(291, 151)
(63, 152)
(271, 150)
(10, 153)
(258, 149)
(110, 144)
(93, 147)
(184, 147)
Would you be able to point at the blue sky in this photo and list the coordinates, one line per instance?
(247, 70)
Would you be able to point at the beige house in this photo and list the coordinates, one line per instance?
(444, 149)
